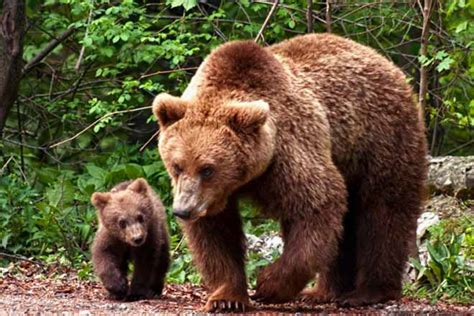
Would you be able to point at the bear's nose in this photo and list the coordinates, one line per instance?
(138, 240)
(183, 214)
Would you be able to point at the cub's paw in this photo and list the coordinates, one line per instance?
(141, 294)
(225, 306)
(315, 297)
(117, 290)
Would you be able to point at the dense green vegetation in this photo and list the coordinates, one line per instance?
(122, 53)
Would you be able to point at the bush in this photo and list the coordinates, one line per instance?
(448, 272)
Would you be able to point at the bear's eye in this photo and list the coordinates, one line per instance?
(206, 172)
(177, 169)
(122, 223)
(140, 218)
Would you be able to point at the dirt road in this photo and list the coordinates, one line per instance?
(65, 293)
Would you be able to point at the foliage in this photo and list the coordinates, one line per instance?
(123, 53)
(52, 212)
(449, 271)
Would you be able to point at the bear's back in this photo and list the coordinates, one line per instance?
(364, 96)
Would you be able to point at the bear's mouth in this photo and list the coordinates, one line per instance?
(192, 217)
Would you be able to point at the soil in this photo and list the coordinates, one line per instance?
(29, 289)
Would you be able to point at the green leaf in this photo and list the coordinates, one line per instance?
(445, 64)
(95, 171)
(134, 171)
(461, 27)
(87, 41)
(440, 55)
(187, 4)
(425, 61)
(124, 36)
(5, 240)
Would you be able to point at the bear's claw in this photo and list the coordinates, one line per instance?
(225, 306)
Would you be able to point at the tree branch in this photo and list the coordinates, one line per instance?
(328, 17)
(96, 122)
(423, 51)
(309, 16)
(83, 48)
(267, 19)
(48, 49)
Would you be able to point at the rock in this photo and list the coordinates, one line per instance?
(452, 176)
(265, 245)
(426, 220)
(449, 207)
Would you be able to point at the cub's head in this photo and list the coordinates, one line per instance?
(126, 213)
(210, 151)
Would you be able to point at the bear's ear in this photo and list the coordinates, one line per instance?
(100, 200)
(246, 116)
(139, 186)
(168, 109)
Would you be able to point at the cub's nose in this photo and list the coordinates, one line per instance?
(183, 214)
(138, 240)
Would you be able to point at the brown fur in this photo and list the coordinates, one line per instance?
(142, 238)
(324, 134)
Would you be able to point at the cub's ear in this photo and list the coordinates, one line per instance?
(168, 109)
(100, 200)
(246, 116)
(139, 186)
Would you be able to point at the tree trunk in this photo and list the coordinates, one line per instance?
(12, 29)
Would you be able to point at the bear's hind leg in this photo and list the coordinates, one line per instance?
(311, 239)
(385, 228)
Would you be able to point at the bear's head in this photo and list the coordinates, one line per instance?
(211, 148)
(126, 214)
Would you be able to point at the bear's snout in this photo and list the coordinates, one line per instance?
(138, 240)
(182, 213)
(136, 235)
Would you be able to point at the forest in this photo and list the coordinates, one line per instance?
(77, 79)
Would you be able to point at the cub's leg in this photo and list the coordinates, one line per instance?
(146, 259)
(110, 265)
(161, 267)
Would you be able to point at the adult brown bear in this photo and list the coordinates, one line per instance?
(323, 133)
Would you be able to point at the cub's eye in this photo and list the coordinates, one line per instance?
(140, 218)
(177, 169)
(122, 223)
(206, 172)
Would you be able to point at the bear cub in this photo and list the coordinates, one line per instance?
(132, 227)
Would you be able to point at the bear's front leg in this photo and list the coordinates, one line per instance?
(218, 247)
